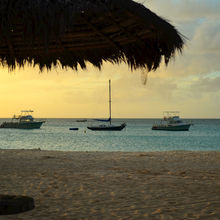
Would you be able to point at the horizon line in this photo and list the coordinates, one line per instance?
(104, 118)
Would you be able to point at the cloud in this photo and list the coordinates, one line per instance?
(206, 38)
(179, 10)
(206, 85)
(201, 52)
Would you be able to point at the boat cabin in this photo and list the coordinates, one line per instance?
(25, 116)
(172, 117)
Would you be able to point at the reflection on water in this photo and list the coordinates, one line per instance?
(138, 136)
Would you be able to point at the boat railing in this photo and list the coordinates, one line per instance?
(16, 117)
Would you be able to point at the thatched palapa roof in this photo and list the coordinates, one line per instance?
(72, 32)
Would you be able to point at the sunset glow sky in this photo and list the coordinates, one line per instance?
(190, 84)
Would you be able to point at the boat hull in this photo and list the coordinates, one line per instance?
(22, 125)
(83, 120)
(184, 127)
(107, 128)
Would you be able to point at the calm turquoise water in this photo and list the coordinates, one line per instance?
(138, 136)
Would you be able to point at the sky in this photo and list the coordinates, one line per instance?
(190, 84)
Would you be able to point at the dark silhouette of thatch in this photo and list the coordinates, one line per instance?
(71, 32)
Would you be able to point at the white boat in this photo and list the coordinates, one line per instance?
(172, 122)
(23, 121)
(109, 126)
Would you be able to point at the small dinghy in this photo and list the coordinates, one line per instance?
(74, 129)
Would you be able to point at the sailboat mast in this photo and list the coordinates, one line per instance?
(110, 112)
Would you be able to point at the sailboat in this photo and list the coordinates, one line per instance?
(109, 126)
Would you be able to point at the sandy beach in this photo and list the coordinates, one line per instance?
(113, 185)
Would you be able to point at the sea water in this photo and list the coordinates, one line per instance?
(204, 135)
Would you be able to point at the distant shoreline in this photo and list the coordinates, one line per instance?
(123, 118)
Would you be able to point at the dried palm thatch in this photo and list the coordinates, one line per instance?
(72, 32)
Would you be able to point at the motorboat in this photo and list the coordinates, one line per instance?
(172, 122)
(23, 121)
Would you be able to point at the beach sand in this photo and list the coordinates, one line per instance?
(113, 185)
